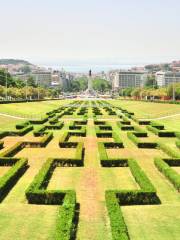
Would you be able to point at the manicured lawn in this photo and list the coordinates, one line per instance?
(31, 109)
(148, 110)
(8, 123)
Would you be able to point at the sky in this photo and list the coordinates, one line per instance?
(106, 31)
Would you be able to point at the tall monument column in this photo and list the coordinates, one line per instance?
(90, 81)
(89, 91)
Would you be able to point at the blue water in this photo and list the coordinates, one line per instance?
(84, 68)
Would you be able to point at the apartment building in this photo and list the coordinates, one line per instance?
(128, 79)
(42, 78)
(166, 78)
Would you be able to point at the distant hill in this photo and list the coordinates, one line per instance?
(14, 61)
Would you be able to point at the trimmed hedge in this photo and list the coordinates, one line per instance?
(171, 174)
(118, 227)
(12, 150)
(1, 144)
(178, 143)
(65, 226)
(39, 131)
(8, 180)
(124, 127)
(25, 130)
(161, 133)
(22, 125)
(116, 198)
(134, 137)
(57, 126)
(20, 132)
(40, 121)
(36, 193)
(169, 151)
(140, 176)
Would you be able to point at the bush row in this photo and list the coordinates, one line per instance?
(65, 223)
(20, 145)
(125, 127)
(40, 121)
(161, 133)
(8, 180)
(178, 143)
(171, 174)
(116, 198)
(118, 227)
(141, 122)
(169, 151)
(22, 125)
(36, 193)
(1, 144)
(134, 137)
(20, 132)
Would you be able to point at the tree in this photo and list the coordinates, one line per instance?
(75, 86)
(151, 81)
(6, 76)
(176, 90)
(55, 92)
(126, 92)
(31, 82)
(101, 85)
(136, 92)
(83, 81)
(25, 69)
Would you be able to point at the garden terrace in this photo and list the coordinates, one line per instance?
(89, 170)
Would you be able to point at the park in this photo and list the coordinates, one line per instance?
(90, 169)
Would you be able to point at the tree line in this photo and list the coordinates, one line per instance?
(15, 88)
(159, 93)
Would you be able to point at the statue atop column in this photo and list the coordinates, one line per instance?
(90, 81)
(90, 73)
(89, 91)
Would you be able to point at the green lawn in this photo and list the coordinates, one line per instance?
(31, 109)
(8, 123)
(148, 110)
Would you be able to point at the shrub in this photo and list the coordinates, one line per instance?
(8, 180)
(37, 194)
(65, 226)
(46, 139)
(178, 143)
(171, 174)
(169, 151)
(41, 121)
(134, 137)
(1, 144)
(158, 130)
(12, 150)
(22, 125)
(118, 226)
(39, 131)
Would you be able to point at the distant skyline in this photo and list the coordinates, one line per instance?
(102, 31)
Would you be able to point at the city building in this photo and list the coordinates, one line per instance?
(166, 78)
(128, 79)
(41, 78)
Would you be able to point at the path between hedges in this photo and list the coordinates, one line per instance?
(93, 220)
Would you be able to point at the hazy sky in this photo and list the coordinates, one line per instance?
(105, 30)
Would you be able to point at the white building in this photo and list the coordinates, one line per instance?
(41, 78)
(128, 79)
(166, 78)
